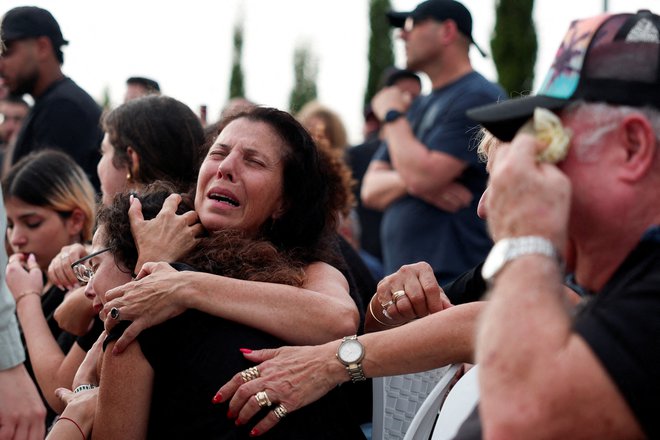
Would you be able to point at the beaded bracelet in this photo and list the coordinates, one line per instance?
(371, 310)
(75, 423)
(26, 293)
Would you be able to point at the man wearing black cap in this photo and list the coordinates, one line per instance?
(427, 147)
(64, 116)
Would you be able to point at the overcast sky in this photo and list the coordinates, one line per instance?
(186, 45)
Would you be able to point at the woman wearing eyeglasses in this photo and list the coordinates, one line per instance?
(50, 203)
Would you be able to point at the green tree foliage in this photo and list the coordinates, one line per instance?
(381, 55)
(106, 101)
(305, 69)
(236, 87)
(514, 45)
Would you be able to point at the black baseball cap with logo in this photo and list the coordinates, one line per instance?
(611, 58)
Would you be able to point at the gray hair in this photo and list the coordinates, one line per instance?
(604, 118)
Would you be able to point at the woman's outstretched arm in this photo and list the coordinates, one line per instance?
(319, 311)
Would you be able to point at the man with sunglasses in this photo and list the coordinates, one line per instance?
(428, 147)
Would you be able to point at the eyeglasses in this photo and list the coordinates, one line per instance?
(85, 273)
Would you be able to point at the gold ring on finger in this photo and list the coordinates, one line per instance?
(250, 374)
(262, 399)
(398, 295)
(280, 411)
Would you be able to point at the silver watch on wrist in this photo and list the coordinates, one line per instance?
(508, 249)
(350, 353)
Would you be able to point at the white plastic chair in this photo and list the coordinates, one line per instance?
(397, 400)
(422, 424)
(458, 405)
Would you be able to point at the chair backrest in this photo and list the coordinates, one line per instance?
(458, 405)
(422, 423)
(397, 399)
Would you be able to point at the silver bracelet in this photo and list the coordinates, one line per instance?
(84, 387)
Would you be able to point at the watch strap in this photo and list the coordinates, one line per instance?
(517, 247)
(356, 372)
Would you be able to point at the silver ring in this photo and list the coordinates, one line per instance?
(114, 313)
(262, 399)
(280, 411)
(250, 374)
(387, 304)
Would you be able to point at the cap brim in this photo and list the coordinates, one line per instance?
(503, 119)
(397, 19)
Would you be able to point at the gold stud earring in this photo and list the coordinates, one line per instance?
(128, 176)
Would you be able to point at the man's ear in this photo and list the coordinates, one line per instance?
(449, 31)
(134, 161)
(76, 222)
(44, 46)
(639, 143)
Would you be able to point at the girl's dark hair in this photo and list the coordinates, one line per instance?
(313, 190)
(225, 252)
(52, 179)
(165, 133)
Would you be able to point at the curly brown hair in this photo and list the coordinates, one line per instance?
(226, 252)
(314, 189)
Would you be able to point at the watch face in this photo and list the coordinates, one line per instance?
(350, 351)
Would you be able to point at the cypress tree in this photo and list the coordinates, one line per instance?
(381, 55)
(236, 87)
(514, 45)
(305, 70)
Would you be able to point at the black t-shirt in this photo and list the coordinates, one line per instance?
(621, 324)
(65, 118)
(193, 355)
